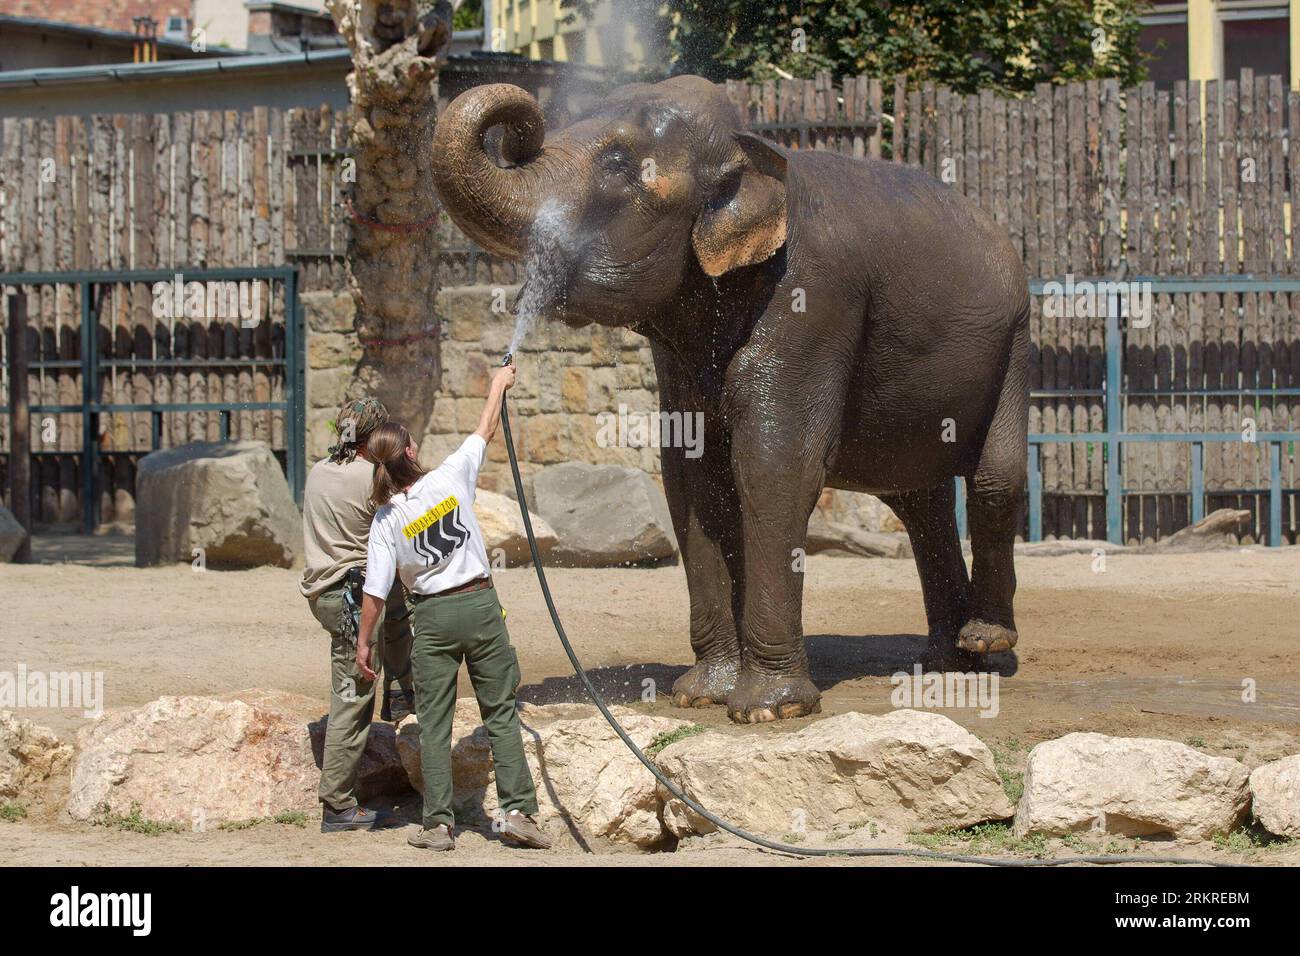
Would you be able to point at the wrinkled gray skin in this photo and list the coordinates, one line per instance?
(913, 329)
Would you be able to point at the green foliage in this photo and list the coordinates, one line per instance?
(135, 822)
(1250, 839)
(292, 818)
(469, 16)
(11, 812)
(1013, 780)
(1006, 45)
(671, 737)
(982, 838)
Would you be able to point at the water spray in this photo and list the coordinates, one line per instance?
(695, 807)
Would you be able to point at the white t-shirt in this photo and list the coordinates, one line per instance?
(428, 534)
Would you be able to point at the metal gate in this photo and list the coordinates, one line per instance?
(274, 355)
(1277, 446)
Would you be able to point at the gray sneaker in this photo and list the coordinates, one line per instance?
(522, 829)
(438, 838)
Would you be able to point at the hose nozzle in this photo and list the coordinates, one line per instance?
(508, 360)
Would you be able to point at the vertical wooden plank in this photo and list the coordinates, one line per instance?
(1276, 203)
(1230, 177)
(875, 100)
(1197, 227)
(997, 112)
(914, 117)
(898, 135)
(1029, 186)
(1015, 171)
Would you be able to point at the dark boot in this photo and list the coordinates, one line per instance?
(354, 818)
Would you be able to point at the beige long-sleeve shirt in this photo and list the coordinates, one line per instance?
(336, 516)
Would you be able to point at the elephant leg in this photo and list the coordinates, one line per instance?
(706, 517)
(994, 505)
(931, 522)
(777, 494)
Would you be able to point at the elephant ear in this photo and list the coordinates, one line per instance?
(745, 223)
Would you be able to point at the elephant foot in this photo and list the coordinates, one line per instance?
(706, 684)
(760, 698)
(942, 654)
(985, 637)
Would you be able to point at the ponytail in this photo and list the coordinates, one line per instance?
(394, 470)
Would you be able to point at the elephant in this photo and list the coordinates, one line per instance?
(838, 322)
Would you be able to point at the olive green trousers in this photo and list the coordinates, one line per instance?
(352, 696)
(469, 627)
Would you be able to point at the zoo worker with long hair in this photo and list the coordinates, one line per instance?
(336, 513)
(424, 530)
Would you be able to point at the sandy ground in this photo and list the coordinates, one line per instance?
(1155, 646)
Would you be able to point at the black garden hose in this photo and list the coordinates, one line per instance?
(713, 818)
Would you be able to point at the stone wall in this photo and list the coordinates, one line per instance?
(567, 378)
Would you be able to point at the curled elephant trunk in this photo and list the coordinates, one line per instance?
(496, 205)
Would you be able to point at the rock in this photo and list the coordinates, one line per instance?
(589, 786)
(195, 761)
(503, 528)
(829, 537)
(906, 770)
(1063, 546)
(29, 755)
(1131, 786)
(229, 499)
(12, 535)
(861, 511)
(604, 515)
(380, 773)
(1275, 794)
(1216, 530)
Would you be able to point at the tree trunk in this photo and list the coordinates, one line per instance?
(393, 250)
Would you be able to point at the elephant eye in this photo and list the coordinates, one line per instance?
(616, 162)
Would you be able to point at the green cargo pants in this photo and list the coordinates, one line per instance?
(352, 697)
(468, 626)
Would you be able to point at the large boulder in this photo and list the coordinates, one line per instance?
(227, 500)
(1215, 531)
(604, 515)
(831, 537)
(1275, 795)
(503, 528)
(589, 786)
(193, 761)
(29, 756)
(906, 770)
(860, 511)
(1131, 786)
(12, 535)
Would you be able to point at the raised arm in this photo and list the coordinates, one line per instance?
(491, 417)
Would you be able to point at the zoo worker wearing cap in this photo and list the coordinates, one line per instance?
(337, 512)
(425, 532)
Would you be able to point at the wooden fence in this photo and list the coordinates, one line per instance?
(1089, 180)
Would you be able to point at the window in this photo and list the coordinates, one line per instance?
(1256, 39)
(1165, 43)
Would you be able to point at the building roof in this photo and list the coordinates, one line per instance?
(105, 35)
(245, 65)
(113, 15)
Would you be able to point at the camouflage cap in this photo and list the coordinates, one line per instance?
(353, 424)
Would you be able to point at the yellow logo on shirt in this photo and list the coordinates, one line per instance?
(434, 514)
